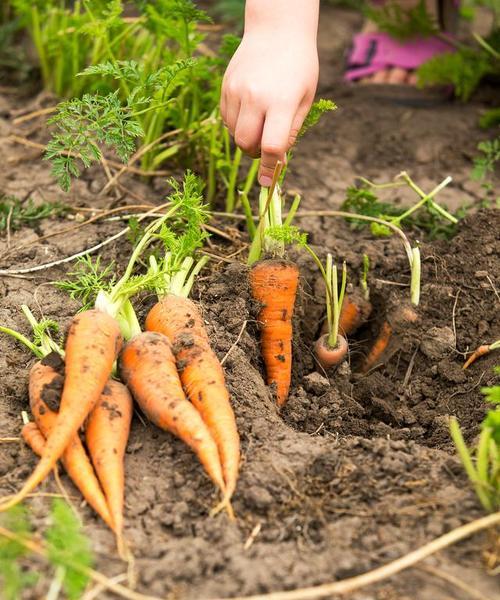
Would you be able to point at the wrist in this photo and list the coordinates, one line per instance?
(288, 17)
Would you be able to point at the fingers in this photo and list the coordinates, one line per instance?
(248, 131)
(275, 141)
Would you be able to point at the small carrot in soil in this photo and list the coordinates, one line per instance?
(330, 357)
(202, 376)
(106, 434)
(355, 311)
(274, 285)
(147, 365)
(395, 321)
(92, 344)
(45, 386)
(481, 351)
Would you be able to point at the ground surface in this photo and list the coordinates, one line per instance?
(356, 470)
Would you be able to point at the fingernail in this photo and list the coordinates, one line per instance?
(265, 180)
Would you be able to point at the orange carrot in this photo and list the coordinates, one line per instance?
(355, 311)
(107, 432)
(147, 365)
(33, 437)
(92, 344)
(202, 377)
(481, 351)
(45, 382)
(401, 316)
(330, 357)
(274, 284)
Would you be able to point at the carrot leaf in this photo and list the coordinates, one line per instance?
(68, 547)
(13, 578)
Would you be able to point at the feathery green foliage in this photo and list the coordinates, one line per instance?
(16, 214)
(87, 279)
(68, 551)
(67, 547)
(486, 161)
(400, 22)
(13, 579)
(463, 69)
(317, 110)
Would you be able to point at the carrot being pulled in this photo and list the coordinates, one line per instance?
(148, 367)
(106, 434)
(46, 382)
(274, 282)
(92, 344)
(274, 285)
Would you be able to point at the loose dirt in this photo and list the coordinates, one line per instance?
(355, 470)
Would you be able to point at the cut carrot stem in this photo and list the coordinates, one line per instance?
(106, 434)
(45, 386)
(92, 344)
(202, 376)
(481, 351)
(330, 357)
(274, 284)
(147, 365)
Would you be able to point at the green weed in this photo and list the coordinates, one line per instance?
(64, 546)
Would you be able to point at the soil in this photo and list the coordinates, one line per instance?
(356, 470)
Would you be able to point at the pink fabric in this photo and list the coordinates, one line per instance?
(373, 52)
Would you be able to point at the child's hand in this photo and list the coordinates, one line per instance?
(271, 80)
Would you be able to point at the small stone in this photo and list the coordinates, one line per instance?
(258, 497)
(481, 274)
(315, 383)
(437, 342)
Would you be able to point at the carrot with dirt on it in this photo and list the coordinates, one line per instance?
(92, 344)
(331, 348)
(148, 367)
(274, 282)
(45, 387)
(106, 434)
(178, 318)
(45, 380)
(483, 350)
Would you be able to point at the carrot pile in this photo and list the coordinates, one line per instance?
(170, 370)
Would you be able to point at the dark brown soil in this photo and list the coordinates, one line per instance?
(356, 470)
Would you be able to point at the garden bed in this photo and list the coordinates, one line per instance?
(355, 470)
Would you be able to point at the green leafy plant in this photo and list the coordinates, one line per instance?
(400, 22)
(84, 125)
(426, 214)
(489, 156)
(484, 472)
(13, 579)
(15, 214)
(67, 547)
(463, 70)
(64, 546)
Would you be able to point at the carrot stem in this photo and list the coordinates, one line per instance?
(466, 459)
(23, 339)
(415, 277)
